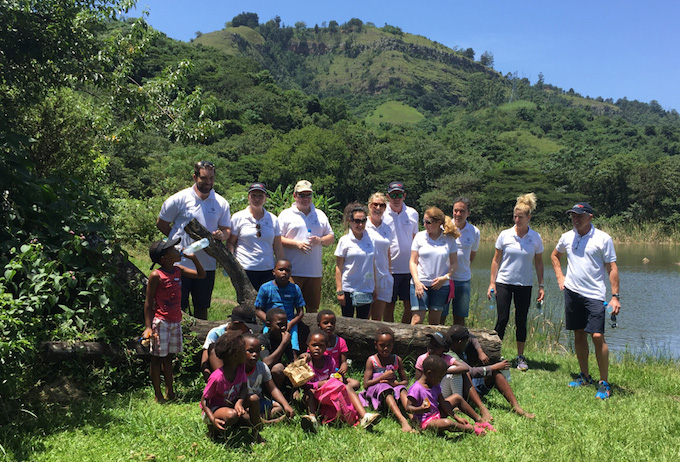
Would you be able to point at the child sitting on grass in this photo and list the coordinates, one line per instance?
(385, 379)
(260, 377)
(337, 347)
(163, 313)
(277, 352)
(281, 293)
(328, 396)
(429, 407)
(478, 381)
(225, 397)
(242, 320)
(439, 343)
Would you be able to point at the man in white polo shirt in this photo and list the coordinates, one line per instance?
(304, 230)
(404, 223)
(200, 201)
(590, 260)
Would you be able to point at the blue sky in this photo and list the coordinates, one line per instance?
(599, 48)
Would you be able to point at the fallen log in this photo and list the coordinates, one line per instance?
(410, 341)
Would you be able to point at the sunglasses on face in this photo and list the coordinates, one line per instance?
(378, 205)
(429, 222)
(304, 195)
(396, 195)
(359, 220)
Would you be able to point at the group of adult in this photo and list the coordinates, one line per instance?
(384, 257)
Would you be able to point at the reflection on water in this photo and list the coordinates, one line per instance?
(649, 319)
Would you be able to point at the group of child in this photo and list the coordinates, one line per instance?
(244, 372)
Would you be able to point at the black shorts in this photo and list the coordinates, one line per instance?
(257, 278)
(583, 313)
(200, 290)
(401, 287)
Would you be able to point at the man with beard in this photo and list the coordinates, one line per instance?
(199, 201)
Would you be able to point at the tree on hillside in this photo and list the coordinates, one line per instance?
(246, 19)
(469, 53)
(486, 59)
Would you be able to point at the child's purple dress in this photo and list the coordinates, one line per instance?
(372, 394)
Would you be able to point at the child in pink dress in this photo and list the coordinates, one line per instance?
(337, 347)
(385, 379)
(326, 395)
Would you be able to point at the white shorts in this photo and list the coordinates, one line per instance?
(384, 288)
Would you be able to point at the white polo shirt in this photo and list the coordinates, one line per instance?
(405, 226)
(433, 256)
(382, 239)
(184, 205)
(252, 252)
(586, 257)
(294, 225)
(468, 242)
(517, 263)
(358, 268)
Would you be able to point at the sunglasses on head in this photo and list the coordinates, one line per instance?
(396, 195)
(205, 164)
(359, 220)
(378, 205)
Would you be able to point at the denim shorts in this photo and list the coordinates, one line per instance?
(432, 299)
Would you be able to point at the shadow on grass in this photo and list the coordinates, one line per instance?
(24, 437)
(543, 365)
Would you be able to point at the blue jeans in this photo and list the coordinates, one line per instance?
(433, 299)
(461, 302)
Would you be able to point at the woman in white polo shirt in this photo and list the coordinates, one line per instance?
(256, 237)
(434, 258)
(518, 249)
(355, 264)
(382, 235)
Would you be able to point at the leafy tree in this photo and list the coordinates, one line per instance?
(246, 19)
(469, 53)
(486, 59)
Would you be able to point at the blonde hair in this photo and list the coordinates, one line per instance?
(377, 195)
(526, 203)
(449, 228)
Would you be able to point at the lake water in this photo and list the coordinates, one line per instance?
(649, 321)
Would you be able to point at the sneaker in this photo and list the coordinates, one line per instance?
(604, 391)
(522, 363)
(581, 380)
(309, 423)
(369, 419)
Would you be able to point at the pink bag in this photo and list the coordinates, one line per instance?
(452, 291)
(334, 402)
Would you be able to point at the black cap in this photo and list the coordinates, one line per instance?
(257, 187)
(458, 332)
(581, 207)
(246, 315)
(395, 186)
(158, 248)
(441, 338)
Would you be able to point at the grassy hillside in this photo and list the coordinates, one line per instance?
(394, 112)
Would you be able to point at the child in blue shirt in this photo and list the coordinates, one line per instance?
(281, 293)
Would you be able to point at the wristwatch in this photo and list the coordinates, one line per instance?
(618, 296)
(339, 292)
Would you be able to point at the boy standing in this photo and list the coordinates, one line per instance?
(281, 293)
(162, 311)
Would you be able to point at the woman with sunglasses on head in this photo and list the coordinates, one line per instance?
(518, 249)
(256, 237)
(382, 236)
(355, 264)
(434, 259)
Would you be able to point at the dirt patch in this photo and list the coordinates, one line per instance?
(61, 391)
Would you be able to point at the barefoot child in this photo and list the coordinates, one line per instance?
(328, 396)
(281, 293)
(277, 352)
(162, 311)
(337, 347)
(259, 378)
(439, 343)
(427, 404)
(225, 397)
(385, 379)
(481, 380)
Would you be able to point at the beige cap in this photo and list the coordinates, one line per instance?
(302, 186)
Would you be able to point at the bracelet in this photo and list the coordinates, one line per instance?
(541, 286)
(339, 292)
(484, 368)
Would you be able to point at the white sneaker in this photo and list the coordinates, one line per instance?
(369, 419)
(309, 423)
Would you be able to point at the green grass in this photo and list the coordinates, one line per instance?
(639, 422)
(395, 112)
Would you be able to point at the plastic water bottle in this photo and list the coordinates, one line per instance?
(196, 246)
(492, 300)
(539, 305)
(309, 240)
(610, 312)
